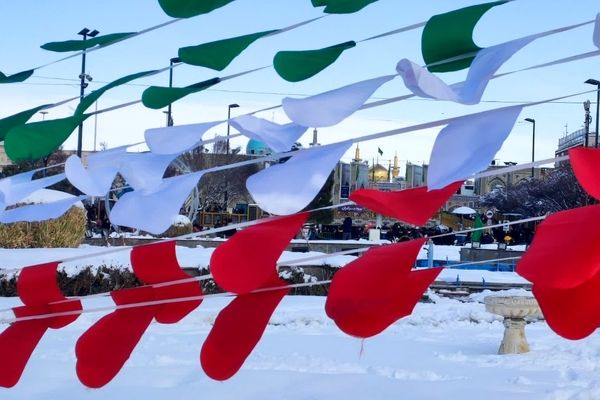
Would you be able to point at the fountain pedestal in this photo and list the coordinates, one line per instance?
(514, 309)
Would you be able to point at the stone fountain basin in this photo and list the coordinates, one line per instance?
(513, 306)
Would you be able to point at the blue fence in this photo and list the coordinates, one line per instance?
(492, 266)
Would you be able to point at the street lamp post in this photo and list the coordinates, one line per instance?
(226, 196)
(174, 60)
(597, 83)
(532, 145)
(85, 32)
(44, 115)
(234, 105)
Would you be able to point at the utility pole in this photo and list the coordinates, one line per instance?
(588, 120)
(85, 32)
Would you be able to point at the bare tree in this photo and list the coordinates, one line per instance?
(219, 189)
(559, 191)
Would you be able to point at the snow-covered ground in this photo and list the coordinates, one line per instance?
(199, 257)
(445, 350)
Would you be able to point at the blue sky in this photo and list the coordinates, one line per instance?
(27, 24)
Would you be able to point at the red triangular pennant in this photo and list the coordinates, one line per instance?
(248, 259)
(572, 313)
(17, 343)
(378, 288)
(574, 262)
(37, 288)
(237, 330)
(105, 347)
(586, 163)
(414, 206)
(157, 263)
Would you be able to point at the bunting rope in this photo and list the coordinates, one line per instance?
(157, 302)
(264, 220)
(162, 25)
(79, 53)
(534, 36)
(192, 298)
(383, 134)
(356, 311)
(204, 277)
(384, 101)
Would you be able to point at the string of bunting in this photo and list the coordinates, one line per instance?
(368, 294)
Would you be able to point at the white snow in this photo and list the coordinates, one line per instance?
(199, 258)
(180, 220)
(445, 350)
(48, 196)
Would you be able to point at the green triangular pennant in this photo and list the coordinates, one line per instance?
(38, 139)
(296, 66)
(156, 97)
(21, 118)
(450, 36)
(342, 6)
(15, 78)
(219, 54)
(190, 8)
(77, 45)
(95, 95)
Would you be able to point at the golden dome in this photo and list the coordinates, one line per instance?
(378, 173)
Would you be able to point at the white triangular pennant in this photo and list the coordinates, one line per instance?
(39, 212)
(287, 188)
(425, 84)
(18, 187)
(153, 211)
(468, 144)
(177, 139)
(330, 108)
(97, 178)
(145, 170)
(279, 138)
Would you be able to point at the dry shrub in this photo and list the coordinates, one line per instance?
(177, 230)
(65, 231)
(16, 236)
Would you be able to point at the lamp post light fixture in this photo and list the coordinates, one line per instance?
(173, 61)
(85, 32)
(532, 145)
(597, 84)
(44, 114)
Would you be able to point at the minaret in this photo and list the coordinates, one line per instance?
(395, 168)
(357, 154)
(315, 142)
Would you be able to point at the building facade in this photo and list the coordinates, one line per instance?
(416, 175)
(487, 184)
(575, 139)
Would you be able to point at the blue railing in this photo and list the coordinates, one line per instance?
(492, 266)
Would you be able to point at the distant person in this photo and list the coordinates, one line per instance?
(229, 233)
(312, 233)
(486, 238)
(105, 226)
(347, 229)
